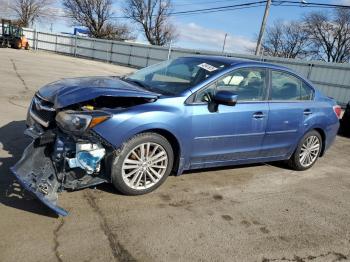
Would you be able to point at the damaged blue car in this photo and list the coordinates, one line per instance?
(182, 114)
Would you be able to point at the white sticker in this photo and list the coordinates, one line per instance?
(207, 67)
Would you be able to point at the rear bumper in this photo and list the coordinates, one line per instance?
(331, 135)
(36, 173)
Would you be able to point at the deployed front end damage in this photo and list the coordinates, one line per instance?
(55, 162)
(66, 154)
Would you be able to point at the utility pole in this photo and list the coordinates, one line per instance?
(223, 46)
(262, 28)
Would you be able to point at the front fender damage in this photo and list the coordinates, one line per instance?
(50, 166)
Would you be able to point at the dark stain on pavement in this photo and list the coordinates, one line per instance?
(227, 217)
(55, 240)
(245, 223)
(165, 197)
(180, 203)
(18, 75)
(264, 230)
(118, 251)
(338, 257)
(218, 197)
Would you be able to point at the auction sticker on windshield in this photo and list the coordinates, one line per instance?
(207, 67)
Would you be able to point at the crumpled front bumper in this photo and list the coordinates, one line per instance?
(36, 173)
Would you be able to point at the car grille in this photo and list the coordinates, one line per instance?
(42, 111)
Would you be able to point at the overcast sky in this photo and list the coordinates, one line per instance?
(207, 31)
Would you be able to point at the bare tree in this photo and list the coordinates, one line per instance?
(329, 35)
(286, 40)
(97, 16)
(153, 17)
(29, 11)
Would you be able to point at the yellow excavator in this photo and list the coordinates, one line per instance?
(12, 36)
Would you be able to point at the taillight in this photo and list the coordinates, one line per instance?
(337, 111)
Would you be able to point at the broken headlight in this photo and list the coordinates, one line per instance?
(78, 122)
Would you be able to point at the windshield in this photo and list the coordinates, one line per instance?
(172, 77)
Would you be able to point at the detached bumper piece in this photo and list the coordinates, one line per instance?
(55, 162)
(36, 173)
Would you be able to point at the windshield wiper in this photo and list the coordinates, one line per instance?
(143, 85)
(139, 83)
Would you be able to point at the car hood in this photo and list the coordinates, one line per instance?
(70, 91)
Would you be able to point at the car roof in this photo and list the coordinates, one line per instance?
(235, 61)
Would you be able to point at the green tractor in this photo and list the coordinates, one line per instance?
(12, 36)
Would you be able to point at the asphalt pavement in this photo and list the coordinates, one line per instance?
(262, 212)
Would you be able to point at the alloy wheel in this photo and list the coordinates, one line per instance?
(309, 151)
(144, 166)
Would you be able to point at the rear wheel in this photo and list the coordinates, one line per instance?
(27, 46)
(143, 164)
(307, 152)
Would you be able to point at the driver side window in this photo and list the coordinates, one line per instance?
(248, 83)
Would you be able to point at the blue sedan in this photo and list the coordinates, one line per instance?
(181, 114)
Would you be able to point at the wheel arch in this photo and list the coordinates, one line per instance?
(323, 136)
(174, 142)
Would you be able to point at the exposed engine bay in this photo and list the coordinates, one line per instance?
(56, 161)
(66, 153)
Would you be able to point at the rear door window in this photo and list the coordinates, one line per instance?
(306, 92)
(285, 86)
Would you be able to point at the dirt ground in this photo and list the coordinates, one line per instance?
(246, 213)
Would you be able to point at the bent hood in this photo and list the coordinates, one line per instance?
(70, 91)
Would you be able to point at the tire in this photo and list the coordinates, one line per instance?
(27, 47)
(18, 44)
(130, 175)
(300, 163)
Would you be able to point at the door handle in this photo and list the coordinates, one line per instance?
(307, 112)
(258, 115)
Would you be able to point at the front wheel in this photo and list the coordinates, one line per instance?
(143, 164)
(307, 152)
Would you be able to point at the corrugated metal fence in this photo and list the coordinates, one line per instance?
(331, 78)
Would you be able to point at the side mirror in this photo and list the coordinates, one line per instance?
(226, 98)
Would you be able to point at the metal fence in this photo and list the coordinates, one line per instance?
(331, 78)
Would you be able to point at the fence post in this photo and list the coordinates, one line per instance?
(34, 39)
(75, 45)
(147, 58)
(107, 57)
(56, 40)
(93, 49)
(169, 52)
(111, 52)
(37, 40)
(130, 54)
(309, 71)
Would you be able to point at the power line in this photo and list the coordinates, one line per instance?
(222, 10)
(186, 3)
(211, 9)
(248, 5)
(309, 4)
(241, 6)
(219, 8)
